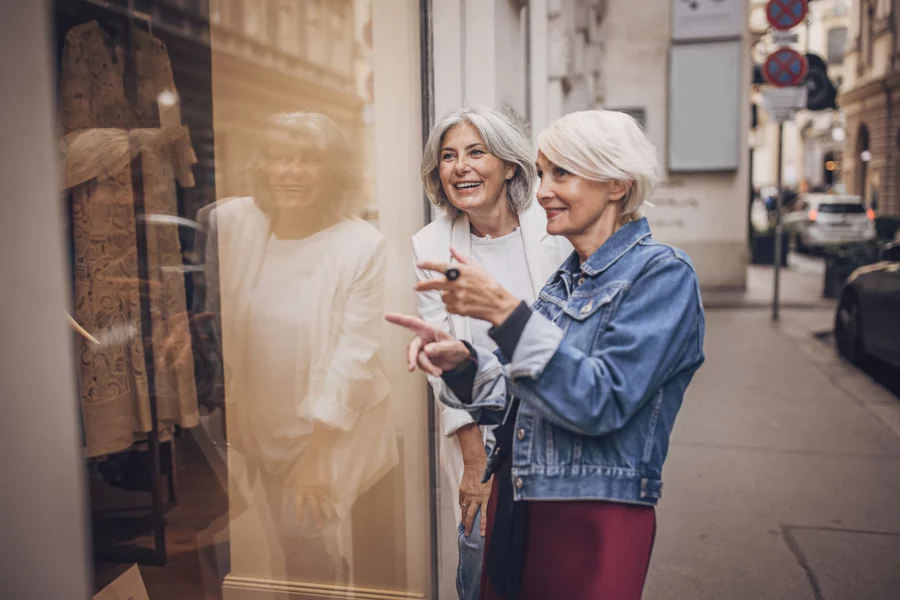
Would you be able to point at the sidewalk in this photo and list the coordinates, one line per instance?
(801, 287)
(783, 476)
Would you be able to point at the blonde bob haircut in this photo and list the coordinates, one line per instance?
(501, 137)
(604, 145)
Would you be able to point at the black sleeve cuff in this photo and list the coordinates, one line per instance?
(507, 333)
(462, 379)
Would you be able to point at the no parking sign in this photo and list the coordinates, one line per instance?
(785, 67)
(785, 14)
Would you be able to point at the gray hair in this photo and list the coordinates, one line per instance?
(604, 145)
(502, 139)
(316, 138)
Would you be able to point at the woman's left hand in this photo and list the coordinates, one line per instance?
(473, 294)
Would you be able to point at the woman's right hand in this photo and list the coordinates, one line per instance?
(433, 350)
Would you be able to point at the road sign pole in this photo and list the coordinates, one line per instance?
(779, 199)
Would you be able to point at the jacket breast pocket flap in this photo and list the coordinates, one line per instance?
(582, 308)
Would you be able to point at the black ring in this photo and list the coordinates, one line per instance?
(452, 274)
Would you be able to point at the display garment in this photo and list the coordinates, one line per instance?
(118, 146)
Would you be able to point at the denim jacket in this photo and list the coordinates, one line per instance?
(600, 371)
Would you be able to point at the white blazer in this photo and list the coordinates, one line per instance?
(543, 253)
(343, 388)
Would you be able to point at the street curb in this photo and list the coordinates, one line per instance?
(758, 305)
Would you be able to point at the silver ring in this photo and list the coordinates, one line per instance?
(464, 506)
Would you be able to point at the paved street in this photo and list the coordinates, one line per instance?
(783, 477)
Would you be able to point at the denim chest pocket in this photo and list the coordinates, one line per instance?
(589, 312)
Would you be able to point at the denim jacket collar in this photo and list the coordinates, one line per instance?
(612, 250)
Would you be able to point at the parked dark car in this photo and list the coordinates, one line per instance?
(868, 315)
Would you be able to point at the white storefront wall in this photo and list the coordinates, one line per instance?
(705, 214)
(590, 54)
(479, 57)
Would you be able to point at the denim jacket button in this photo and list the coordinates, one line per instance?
(520, 434)
(580, 280)
(519, 483)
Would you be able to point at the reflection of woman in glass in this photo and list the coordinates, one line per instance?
(300, 281)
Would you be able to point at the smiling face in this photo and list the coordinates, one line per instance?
(579, 209)
(473, 179)
(294, 182)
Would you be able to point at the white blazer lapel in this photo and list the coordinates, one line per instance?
(461, 239)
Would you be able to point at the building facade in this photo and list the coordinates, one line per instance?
(623, 55)
(871, 101)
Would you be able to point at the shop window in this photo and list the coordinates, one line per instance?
(229, 278)
(837, 39)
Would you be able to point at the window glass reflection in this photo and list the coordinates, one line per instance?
(228, 284)
(301, 282)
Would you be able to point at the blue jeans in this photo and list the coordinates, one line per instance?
(471, 551)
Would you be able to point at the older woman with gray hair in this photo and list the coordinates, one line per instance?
(298, 279)
(477, 167)
(587, 381)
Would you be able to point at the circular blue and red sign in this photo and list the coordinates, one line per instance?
(785, 14)
(785, 67)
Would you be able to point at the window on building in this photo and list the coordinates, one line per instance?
(341, 27)
(255, 19)
(870, 34)
(864, 37)
(837, 39)
(157, 245)
(895, 11)
(216, 10)
(316, 32)
(288, 27)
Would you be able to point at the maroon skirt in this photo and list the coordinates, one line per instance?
(580, 550)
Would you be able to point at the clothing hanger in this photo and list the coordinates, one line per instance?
(81, 330)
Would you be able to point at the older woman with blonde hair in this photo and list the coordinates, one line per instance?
(477, 168)
(586, 383)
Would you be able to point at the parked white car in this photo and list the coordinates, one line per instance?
(819, 220)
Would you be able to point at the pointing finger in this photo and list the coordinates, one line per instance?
(417, 326)
(433, 265)
(427, 285)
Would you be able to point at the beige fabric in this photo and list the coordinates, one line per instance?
(103, 132)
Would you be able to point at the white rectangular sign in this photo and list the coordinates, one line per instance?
(784, 38)
(785, 98)
(708, 19)
(705, 103)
